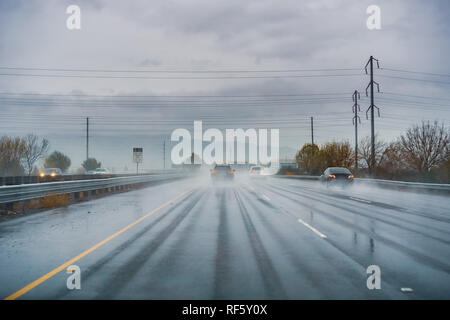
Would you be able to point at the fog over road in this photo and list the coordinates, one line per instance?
(265, 238)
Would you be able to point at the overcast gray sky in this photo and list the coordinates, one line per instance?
(235, 46)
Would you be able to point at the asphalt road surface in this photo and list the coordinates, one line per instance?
(250, 239)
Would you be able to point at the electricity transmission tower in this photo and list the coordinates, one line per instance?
(371, 108)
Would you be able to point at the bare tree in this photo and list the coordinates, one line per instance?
(365, 151)
(34, 149)
(391, 164)
(11, 154)
(425, 146)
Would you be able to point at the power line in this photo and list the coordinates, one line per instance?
(156, 70)
(144, 106)
(175, 122)
(178, 78)
(415, 96)
(294, 118)
(417, 72)
(174, 96)
(210, 96)
(177, 71)
(46, 100)
(414, 79)
(249, 104)
(289, 70)
(209, 104)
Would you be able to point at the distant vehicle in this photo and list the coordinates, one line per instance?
(222, 171)
(337, 175)
(98, 171)
(50, 172)
(255, 170)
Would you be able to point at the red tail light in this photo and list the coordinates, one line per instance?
(231, 171)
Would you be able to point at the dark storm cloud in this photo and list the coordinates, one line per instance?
(217, 35)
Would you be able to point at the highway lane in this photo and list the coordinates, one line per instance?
(250, 239)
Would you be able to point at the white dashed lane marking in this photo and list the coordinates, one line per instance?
(320, 234)
(360, 200)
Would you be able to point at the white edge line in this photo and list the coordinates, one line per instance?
(320, 234)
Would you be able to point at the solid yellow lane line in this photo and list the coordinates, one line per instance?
(62, 267)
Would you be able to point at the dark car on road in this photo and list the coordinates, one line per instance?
(337, 175)
(222, 171)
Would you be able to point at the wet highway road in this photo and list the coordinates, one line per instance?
(251, 239)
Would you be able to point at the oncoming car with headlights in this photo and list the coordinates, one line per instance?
(337, 176)
(50, 172)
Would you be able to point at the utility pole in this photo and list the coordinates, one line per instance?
(355, 120)
(312, 130)
(164, 154)
(87, 138)
(371, 108)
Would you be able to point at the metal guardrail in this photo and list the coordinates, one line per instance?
(387, 183)
(25, 192)
(16, 180)
(405, 184)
